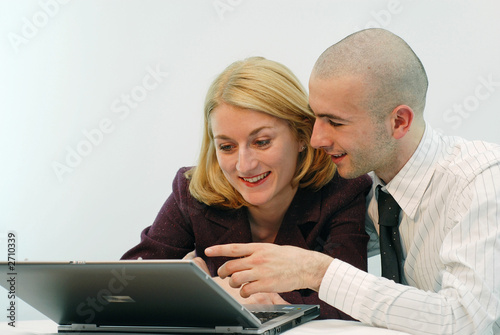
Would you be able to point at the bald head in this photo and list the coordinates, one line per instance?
(392, 72)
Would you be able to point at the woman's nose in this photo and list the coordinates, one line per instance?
(246, 160)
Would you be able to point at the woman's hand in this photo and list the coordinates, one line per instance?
(197, 260)
(258, 298)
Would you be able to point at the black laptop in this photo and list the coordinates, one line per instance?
(143, 296)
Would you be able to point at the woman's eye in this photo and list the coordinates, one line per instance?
(262, 143)
(225, 147)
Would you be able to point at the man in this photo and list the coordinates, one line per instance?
(368, 94)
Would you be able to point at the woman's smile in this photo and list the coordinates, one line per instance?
(257, 153)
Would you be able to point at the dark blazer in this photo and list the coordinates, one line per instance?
(330, 220)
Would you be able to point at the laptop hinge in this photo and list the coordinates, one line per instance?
(78, 327)
(228, 329)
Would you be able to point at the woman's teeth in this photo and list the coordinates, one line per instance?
(256, 179)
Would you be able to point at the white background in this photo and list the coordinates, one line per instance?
(67, 69)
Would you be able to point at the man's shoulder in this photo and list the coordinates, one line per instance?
(467, 158)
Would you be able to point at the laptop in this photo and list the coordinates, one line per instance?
(142, 296)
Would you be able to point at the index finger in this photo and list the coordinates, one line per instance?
(230, 250)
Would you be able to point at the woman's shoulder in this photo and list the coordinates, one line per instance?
(345, 187)
(180, 185)
(180, 177)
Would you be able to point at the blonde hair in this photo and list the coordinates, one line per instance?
(269, 87)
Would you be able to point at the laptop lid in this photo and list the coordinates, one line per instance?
(162, 296)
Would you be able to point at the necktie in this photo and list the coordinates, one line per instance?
(390, 244)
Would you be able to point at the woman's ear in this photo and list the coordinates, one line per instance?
(302, 145)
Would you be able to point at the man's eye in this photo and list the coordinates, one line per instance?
(334, 124)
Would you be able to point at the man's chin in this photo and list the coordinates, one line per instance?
(348, 174)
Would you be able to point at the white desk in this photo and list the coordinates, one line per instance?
(319, 327)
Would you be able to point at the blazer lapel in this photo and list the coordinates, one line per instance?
(303, 210)
(232, 224)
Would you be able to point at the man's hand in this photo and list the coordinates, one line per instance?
(266, 267)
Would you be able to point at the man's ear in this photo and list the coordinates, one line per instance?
(402, 118)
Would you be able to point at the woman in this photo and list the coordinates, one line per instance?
(259, 180)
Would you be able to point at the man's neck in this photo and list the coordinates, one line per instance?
(406, 149)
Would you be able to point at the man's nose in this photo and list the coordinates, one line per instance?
(321, 136)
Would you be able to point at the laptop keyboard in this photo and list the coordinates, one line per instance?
(266, 316)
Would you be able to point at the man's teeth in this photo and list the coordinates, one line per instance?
(256, 179)
(340, 155)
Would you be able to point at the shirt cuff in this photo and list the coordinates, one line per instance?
(341, 286)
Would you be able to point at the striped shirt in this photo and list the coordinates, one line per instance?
(449, 193)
